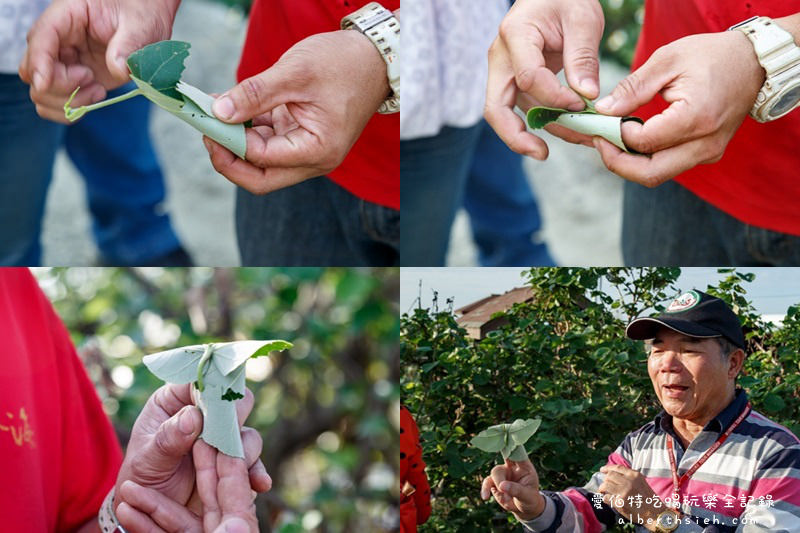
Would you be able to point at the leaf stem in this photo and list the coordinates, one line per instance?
(202, 364)
(74, 114)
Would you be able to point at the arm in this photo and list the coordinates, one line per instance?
(776, 494)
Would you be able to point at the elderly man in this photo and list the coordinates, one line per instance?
(708, 462)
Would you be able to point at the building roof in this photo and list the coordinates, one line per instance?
(480, 312)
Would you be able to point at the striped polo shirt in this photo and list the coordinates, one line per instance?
(750, 484)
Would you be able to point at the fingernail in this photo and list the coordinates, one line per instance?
(588, 86)
(186, 421)
(37, 80)
(234, 525)
(223, 107)
(606, 103)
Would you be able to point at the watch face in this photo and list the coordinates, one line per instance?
(786, 102)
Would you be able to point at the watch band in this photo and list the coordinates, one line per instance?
(383, 29)
(778, 54)
(106, 518)
(774, 46)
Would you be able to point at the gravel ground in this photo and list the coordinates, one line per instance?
(200, 201)
(579, 200)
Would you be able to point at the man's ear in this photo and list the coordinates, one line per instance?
(735, 363)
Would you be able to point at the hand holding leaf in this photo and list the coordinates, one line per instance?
(156, 70)
(508, 439)
(218, 373)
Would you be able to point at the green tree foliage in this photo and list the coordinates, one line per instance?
(326, 409)
(563, 357)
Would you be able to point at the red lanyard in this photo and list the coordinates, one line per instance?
(677, 481)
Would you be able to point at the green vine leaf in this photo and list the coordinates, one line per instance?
(160, 65)
(156, 70)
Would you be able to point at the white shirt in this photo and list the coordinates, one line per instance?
(16, 18)
(444, 66)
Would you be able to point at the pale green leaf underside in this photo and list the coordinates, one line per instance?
(508, 439)
(226, 370)
(588, 122)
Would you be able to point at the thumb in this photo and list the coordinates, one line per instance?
(174, 439)
(253, 96)
(121, 45)
(638, 88)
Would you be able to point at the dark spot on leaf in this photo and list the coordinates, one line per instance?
(231, 395)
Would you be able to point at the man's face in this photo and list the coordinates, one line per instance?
(690, 375)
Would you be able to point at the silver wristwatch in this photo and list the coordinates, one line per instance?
(383, 29)
(780, 57)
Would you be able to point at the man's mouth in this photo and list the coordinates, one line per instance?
(674, 391)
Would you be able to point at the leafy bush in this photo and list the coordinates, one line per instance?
(562, 357)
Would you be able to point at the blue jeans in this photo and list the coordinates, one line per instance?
(670, 226)
(502, 210)
(315, 223)
(111, 148)
(468, 166)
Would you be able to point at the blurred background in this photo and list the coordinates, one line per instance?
(579, 200)
(327, 409)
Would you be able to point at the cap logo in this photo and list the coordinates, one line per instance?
(685, 301)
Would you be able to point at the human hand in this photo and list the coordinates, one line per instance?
(622, 482)
(515, 487)
(710, 81)
(223, 488)
(537, 38)
(159, 454)
(308, 110)
(87, 43)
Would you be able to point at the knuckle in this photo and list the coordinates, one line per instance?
(250, 93)
(507, 28)
(525, 79)
(162, 442)
(585, 58)
(630, 85)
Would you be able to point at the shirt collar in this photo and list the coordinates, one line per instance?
(718, 424)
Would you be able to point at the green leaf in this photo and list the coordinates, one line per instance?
(774, 403)
(156, 70)
(160, 65)
(588, 122)
(217, 372)
(508, 439)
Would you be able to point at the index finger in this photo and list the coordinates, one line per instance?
(677, 124)
(45, 39)
(501, 93)
(525, 45)
(499, 474)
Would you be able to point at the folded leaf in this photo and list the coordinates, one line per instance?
(217, 372)
(156, 70)
(508, 439)
(588, 122)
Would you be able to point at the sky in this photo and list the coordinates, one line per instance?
(772, 291)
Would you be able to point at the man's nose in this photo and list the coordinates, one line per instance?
(670, 362)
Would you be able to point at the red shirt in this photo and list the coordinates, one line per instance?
(371, 170)
(58, 453)
(414, 509)
(758, 179)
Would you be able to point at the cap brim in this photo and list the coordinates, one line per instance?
(645, 328)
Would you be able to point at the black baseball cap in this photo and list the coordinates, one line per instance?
(695, 314)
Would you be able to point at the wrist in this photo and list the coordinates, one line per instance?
(538, 508)
(371, 59)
